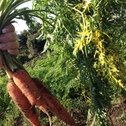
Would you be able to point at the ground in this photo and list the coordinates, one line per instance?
(117, 114)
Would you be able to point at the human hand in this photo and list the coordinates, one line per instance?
(8, 41)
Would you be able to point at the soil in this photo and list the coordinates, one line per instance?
(117, 114)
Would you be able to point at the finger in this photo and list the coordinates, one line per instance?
(14, 52)
(9, 45)
(8, 28)
(11, 36)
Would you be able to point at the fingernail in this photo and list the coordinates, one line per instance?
(2, 46)
(9, 51)
(4, 30)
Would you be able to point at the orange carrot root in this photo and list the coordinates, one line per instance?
(22, 103)
(53, 104)
(42, 103)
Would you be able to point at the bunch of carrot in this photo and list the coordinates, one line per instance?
(27, 92)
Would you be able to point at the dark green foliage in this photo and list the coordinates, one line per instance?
(58, 70)
(30, 45)
(4, 100)
(35, 45)
(23, 38)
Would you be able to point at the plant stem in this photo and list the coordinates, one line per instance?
(10, 63)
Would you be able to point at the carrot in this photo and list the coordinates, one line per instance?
(53, 104)
(22, 103)
(25, 83)
(43, 103)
